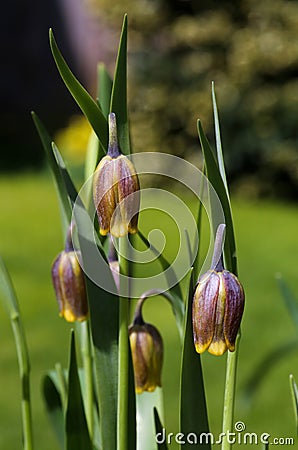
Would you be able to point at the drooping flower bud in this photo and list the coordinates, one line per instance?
(217, 307)
(69, 284)
(147, 352)
(116, 189)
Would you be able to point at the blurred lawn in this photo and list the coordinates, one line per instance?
(30, 237)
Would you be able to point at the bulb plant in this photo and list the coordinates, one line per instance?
(97, 402)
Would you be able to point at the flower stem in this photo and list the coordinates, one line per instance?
(88, 369)
(11, 304)
(123, 362)
(24, 367)
(229, 396)
(217, 259)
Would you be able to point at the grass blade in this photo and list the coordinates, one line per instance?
(216, 180)
(61, 191)
(89, 107)
(76, 429)
(52, 398)
(11, 304)
(119, 92)
(105, 85)
(193, 408)
(220, 158)
(162, 445)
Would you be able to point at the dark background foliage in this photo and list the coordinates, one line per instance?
(249, 48)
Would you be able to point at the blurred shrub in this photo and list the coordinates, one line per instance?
(250, 49)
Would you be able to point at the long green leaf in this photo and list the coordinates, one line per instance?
(76, 429)
(11, 304)
(119, 92)
(159, 429)
(69, 188)
(219, 152)
(46, 140)
(216, 180)
(196, 266)
(105, 85)
(193, 408)
(89, 107)
(52, 398)
(95, 150)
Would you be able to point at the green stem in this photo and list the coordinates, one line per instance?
(123, 355)
(86, 350)
(229, 396)
(24, 367)
(11, 303)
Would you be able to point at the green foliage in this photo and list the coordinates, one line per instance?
(95, 405)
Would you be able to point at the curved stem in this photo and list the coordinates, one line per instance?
(217, 259)
(113, 148)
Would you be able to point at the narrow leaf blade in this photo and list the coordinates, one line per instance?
(81, 96)
(193, 408)
(105, 85)
(216, 180)
(119, 92)
(53, 404)
(294, 391)
(61, 191)
(219, 152)
(76, 429)
(161, 444)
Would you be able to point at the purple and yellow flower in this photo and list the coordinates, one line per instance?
(116, 189)
(217, 309)
(147, 352)
(69, 284)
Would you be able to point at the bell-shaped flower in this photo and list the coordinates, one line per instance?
(217, 308)
(116, 189)
(69, 284)
(147, 353)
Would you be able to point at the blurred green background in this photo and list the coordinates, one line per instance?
(30, 238)
(176, 48)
